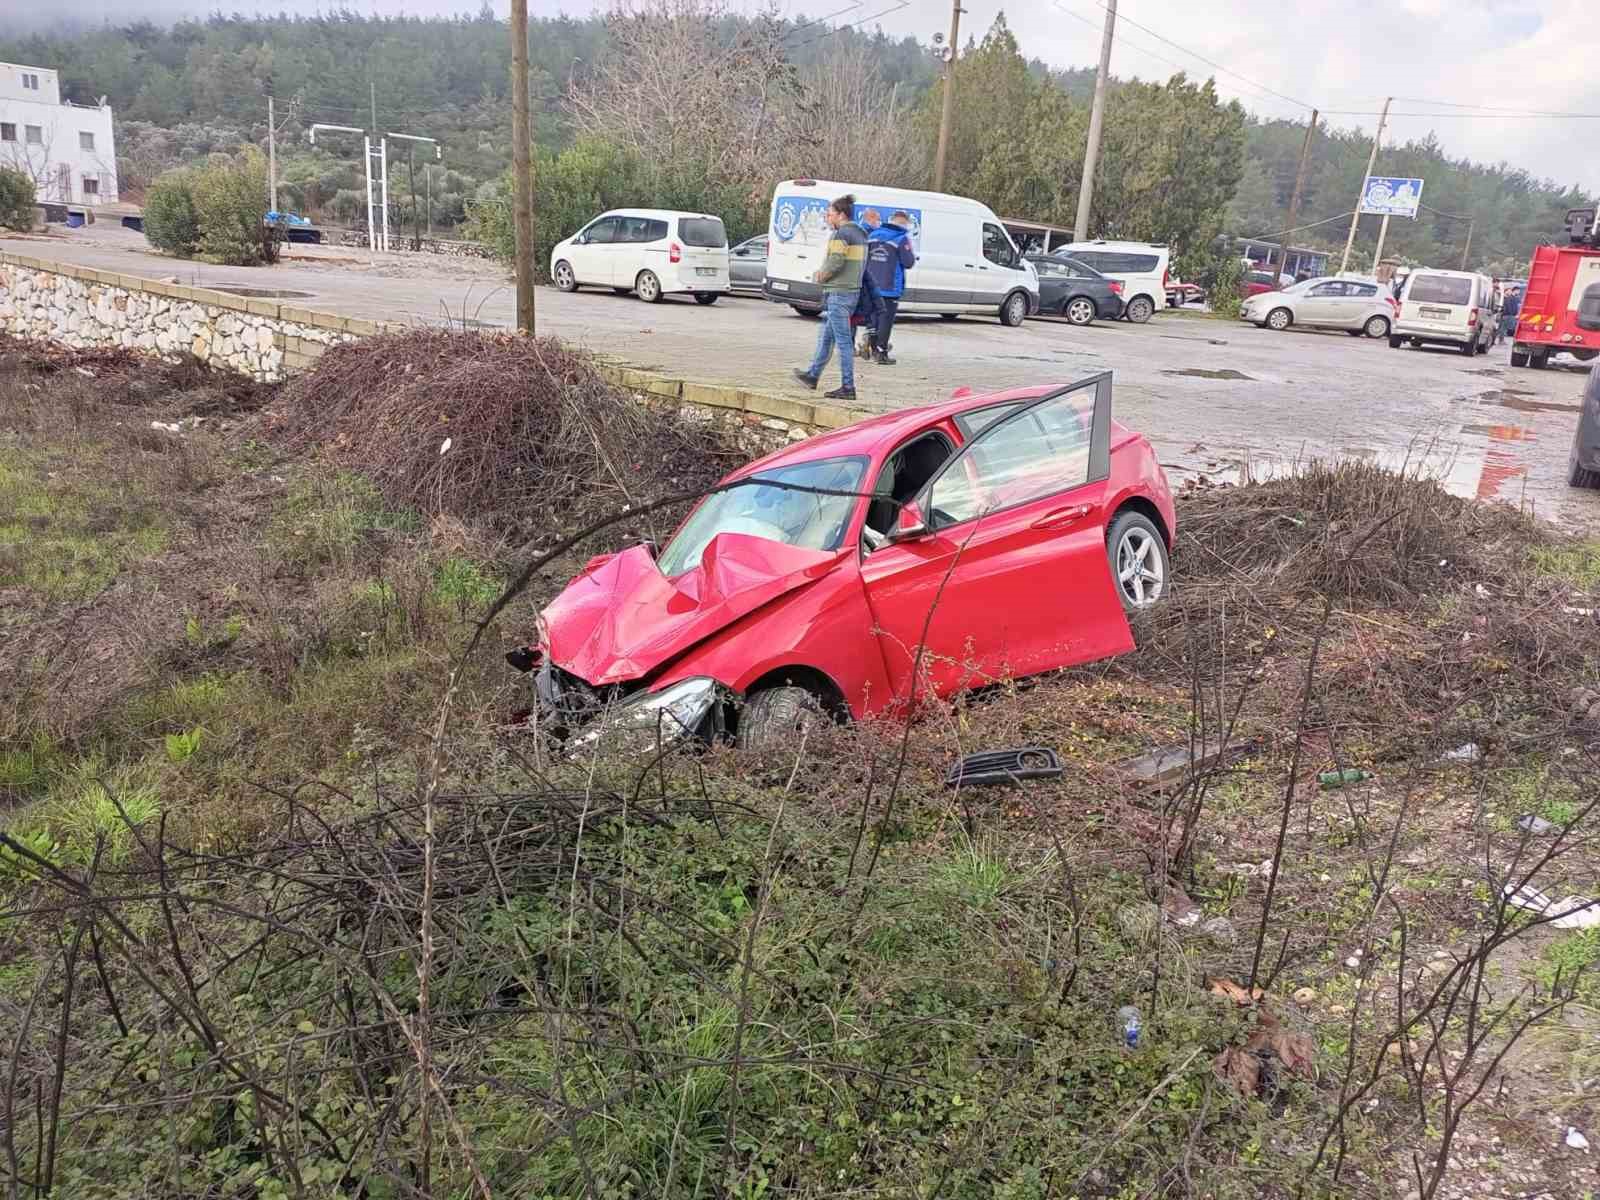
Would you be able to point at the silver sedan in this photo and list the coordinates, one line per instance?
(747, 264)
(1358, 306)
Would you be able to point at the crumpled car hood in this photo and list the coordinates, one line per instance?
(622, 618)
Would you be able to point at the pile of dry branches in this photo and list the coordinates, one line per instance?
(523, 434)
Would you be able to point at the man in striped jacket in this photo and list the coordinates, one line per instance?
(840, 276)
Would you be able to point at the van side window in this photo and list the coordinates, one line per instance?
(997, 247)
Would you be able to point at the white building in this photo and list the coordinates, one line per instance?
(66, 148)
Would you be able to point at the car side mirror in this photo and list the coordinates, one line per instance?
(909, 525)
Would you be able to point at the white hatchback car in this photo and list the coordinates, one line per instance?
(649, 251)
(1356, 305)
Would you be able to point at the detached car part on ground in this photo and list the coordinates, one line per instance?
(1004, 535)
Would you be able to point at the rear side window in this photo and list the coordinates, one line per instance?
(1092, 258)
(705, 232)
(642, 229)
(1363, 289)
(1134, 264)
(1440, 289)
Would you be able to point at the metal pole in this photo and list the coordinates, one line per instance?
(1383, 234)
(272, 154)
(383, 165)
(1468, 246)
(522, 166)
(1355, 217)
(1299, 186)
(1097, 115)
(949, 96)
(372, 228)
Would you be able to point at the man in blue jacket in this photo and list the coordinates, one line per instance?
(889, 257)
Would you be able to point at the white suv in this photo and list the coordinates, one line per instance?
(1141, 267)
(649, 251)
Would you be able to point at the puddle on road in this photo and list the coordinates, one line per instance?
(1477, 465)
(1514, 401)
(1202, 373)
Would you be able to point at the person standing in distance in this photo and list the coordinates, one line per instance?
(889, 257)
(840, 276)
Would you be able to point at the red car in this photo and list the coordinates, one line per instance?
(1006, 534)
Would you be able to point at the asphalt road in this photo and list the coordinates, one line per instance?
(1217, 398)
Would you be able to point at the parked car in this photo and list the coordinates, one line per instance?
(649, 251)
(1452, 308)
(1583, 470)
(1004, 534)
(747, 264)
(966, 262)
(1356, 305)
(1077, 292)
(1253, 283)
(1141, 268)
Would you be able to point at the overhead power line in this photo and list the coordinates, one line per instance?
(1210, 62)
(1495, 108)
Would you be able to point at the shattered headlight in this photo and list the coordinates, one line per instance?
(663, 717)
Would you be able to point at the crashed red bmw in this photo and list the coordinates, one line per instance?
(1003, 534)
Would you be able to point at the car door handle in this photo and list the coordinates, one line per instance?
(1061, 518)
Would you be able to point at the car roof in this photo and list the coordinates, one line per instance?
(1415, 271)
(656, 212)
(1110, 245)
(866, 437)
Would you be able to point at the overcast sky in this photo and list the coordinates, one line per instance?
(1343, 56)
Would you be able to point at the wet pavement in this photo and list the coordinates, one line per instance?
(1218, 399)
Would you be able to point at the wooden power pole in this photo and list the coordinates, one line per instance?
(1294, 196)
(949, 96)
(1361, 195)
(522, 165)
(1097, 116)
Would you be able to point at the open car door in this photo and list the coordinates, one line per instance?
(1002, 560)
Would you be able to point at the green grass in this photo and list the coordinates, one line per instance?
(326, 519)
(66, 538)
(1577, 564)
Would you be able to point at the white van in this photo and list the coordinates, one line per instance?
(650, 251)
(1452, 308)
(1140, 266)
(966, 262)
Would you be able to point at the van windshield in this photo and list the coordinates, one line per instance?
(702, 231)
(1440, 289)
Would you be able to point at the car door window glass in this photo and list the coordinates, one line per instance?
(602, 232)
(1034, 454)
(1325, 290)
(997, 247)
(973, 423)
(633, 229)
(1076, 267)
(1367, 290)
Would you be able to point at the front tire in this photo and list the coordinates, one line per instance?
(1015, 310)
(1140, 566)
(771, 718)
(1279, 319)
(566, 280)
(1140, 310)
(706, 298)
(648, 287)
(1079, 311)
(1377, 327)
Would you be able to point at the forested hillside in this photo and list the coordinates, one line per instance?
(1179, 163)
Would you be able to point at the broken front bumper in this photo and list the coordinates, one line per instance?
(622, 716)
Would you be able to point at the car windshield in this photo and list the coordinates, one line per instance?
(1440, 289)
(702, 231)
(763, 507)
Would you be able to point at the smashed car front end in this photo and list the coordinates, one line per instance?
(581, 715)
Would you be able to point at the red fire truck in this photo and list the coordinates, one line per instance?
(1561, 309)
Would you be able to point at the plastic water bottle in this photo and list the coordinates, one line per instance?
(1338, 779)
(1131, 1024)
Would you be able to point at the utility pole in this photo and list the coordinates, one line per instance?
(1294, 196)
(1467, 248)
(522, 165)
(373, 84)
(949, 95)
(272, 154)
(1097, 116)
(1355, 217)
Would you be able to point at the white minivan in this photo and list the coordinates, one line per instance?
(1141, 267)
(966, 262)
(649, 251)
(1452, 308)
